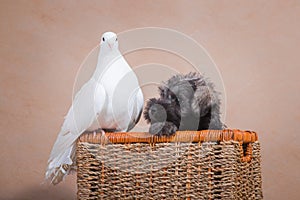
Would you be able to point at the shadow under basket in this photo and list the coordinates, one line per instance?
(209, 164)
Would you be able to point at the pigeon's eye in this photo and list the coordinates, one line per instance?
(103, 39)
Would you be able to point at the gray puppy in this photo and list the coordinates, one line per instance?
(186, 102)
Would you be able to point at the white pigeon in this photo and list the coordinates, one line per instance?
(111, 101)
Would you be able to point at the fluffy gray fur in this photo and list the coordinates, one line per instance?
(186, 102)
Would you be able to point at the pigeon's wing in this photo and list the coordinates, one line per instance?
(88, 102)
(136, 107)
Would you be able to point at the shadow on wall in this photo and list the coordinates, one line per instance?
(50, 193)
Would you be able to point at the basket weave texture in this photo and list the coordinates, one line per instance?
(210, 164)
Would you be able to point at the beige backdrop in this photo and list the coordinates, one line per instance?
(42, 44)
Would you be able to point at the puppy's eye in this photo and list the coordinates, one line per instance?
(116, 39)
(103, 39)
(180, 101)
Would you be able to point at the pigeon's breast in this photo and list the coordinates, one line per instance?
(110, 118)
(121, 86)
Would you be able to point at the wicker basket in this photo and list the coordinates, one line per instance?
(207, 164)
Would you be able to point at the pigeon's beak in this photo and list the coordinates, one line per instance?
(110, 45)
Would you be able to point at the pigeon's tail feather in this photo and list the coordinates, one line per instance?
(61, 165)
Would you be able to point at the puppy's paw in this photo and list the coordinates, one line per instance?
(163, 128)
(169, 129)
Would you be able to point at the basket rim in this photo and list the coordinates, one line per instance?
(180, 136)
